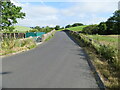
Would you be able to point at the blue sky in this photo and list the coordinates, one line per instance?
(63, 12)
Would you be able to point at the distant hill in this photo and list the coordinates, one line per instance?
(78, 28)
(21, 28)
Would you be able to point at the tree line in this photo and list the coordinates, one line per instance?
(111, 26)
(74, 25)
(41, 29)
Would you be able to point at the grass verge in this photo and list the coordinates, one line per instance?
(12, 45)
(108, 69)
(50, 36)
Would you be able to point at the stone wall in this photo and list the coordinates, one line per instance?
(47, 35)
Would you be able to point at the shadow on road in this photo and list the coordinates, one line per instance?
(5, 73)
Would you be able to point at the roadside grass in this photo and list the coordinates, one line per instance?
(111, 40)
(48, 38)
(52, 35)
(60, 30)
(78, 28)
(104, 57)
(12, 45)
(109, 75)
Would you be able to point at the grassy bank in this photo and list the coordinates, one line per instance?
(50, 36)
(104, 55)
(15, 45)
(78, 28)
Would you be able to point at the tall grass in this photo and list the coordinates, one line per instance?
(10, 45)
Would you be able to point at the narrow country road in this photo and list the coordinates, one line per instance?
(58, 63)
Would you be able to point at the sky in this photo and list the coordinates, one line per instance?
(63, 12)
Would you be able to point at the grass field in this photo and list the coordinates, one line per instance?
(78, 28)
(111, 40)
(17, 29)
(21, 28)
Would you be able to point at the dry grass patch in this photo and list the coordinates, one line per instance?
(14, 45)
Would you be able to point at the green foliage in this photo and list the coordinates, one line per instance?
(39, 29)
(78, 28)
(10, 14)
(112, 25)
(77, 24)
(68, 26)
(47, 29)
(91, 29)
(57, 27)
(108, 63)
(33, 30)
(102, 28)
(74, 25)
(107, 52)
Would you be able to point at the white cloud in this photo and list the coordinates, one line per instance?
(86, 12)
(69, 0)
(17, 3)
(95, 19)
(39, 15)
(91, 7)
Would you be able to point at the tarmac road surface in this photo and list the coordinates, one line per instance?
(58, 63)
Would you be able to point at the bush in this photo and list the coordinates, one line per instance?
(68, 26)
(77, 24)
(57, 27)
(107, 52)
(91, 29)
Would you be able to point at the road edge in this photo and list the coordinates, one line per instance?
(92, 67)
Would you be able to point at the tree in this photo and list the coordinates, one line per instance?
(10, 14)
(77, 24)
(57, 27)
(68, 26)
(91, 29)
(102, 28)
(116, 18)
(37, 27)
(113, 23)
